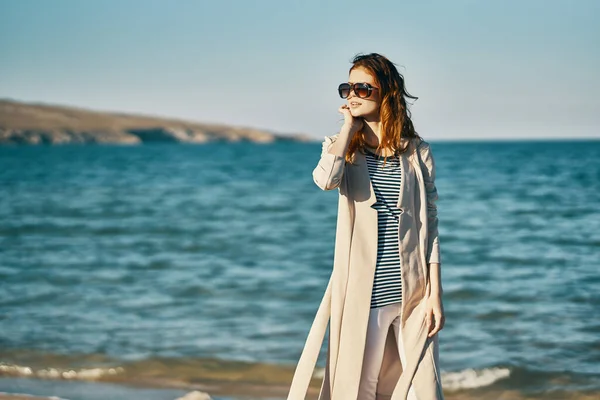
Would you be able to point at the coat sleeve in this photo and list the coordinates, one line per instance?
(428, 167)
(328, 173)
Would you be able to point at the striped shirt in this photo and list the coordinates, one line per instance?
(387, 284)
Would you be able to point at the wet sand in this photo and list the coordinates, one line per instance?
(497, 395)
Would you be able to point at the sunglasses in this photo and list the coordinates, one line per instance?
(361, 89)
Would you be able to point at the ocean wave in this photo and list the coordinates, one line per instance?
(472, 378)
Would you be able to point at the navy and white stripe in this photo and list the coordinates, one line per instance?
(387, 285)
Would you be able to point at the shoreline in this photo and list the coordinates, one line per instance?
(476, 395)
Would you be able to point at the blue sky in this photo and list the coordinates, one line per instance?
(481, 69)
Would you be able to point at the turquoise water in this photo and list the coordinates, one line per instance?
(114, 255)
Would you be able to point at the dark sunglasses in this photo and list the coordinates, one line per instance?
(361, 89)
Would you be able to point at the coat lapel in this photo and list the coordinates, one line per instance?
(351, 292)
(360, 182)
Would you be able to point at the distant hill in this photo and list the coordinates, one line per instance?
(35, 123)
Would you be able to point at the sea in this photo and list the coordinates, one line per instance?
(155, 271)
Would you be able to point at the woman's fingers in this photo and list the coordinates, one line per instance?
(436, 327)
(438, 318)
(344, 109)
(355, 122)
(429, 319)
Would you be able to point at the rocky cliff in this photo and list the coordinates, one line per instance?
(30, 123)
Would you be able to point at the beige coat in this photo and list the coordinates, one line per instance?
(346, 302)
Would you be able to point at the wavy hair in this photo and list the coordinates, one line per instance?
(393, 112)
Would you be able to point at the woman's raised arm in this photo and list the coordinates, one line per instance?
(330, 168)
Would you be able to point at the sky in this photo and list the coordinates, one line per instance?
(480, 69)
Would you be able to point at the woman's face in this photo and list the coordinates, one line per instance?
(367, 108)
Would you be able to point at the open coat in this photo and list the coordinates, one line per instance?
(346, 302)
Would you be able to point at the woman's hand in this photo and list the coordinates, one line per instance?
(355, 123)
(434, 315)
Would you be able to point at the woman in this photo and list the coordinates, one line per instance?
(384, 298)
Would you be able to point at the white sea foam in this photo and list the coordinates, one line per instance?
(57, 373)
(471, 378)
(465, 379)
(195, 395)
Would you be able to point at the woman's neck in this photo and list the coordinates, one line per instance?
(372, 134)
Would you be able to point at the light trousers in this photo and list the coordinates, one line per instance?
(380, 319)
